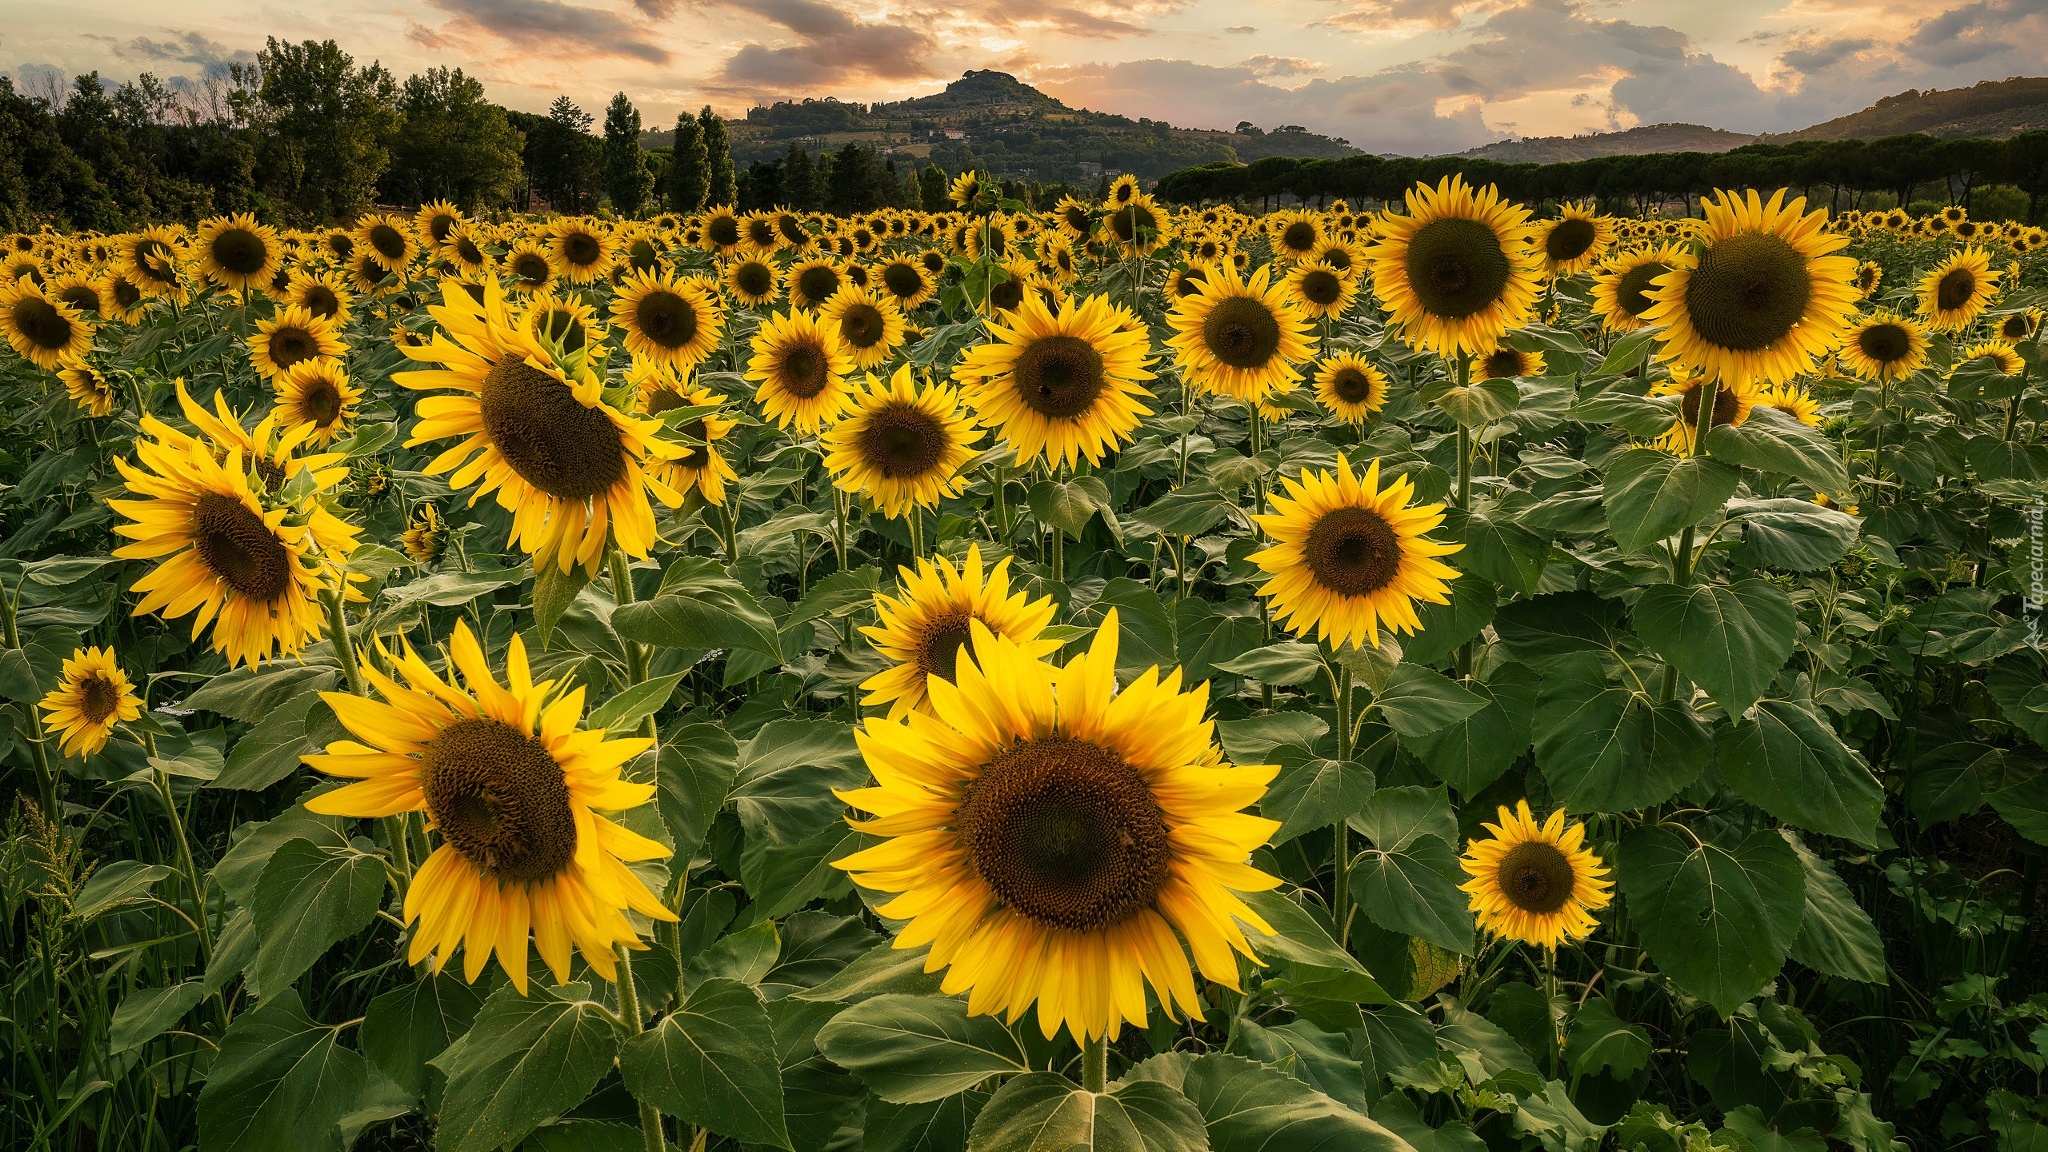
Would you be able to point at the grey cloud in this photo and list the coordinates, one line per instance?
(210, 55)
(832, 48)
(555, 28)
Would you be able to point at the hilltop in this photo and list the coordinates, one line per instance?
(1633, 142)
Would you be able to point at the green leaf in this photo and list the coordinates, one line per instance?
(1771, 442)
(1312, 792)
(1554, 1119)
(1189, 510)
(1472, 753)
(1650, 495)
(301, 726)
(835, 596)
(1601, 1042)
(410, 1025)
(1640, 416)
(1394, 818)
(280, 1080)
(1414, 891)
(937, 1126)
(1249, 1107)
(1253, 739)
(553, 591)
(1445, 627)
(1794, 534)
(1417, 701)
(700, 606)
(117, 885)
(147, 1013)
(525, 1061)
(694, 769)
(1608, 748)
(1068, 506)
(250, 694)
(308, 898)
(1719, 923)
(882, 970)
(786, 776)
(1498, 549)
(744, 957)
(2025, 807)
(623, 712)
(1044, 1110)
(1322, 1060)
(1836, 935)
(1282, 665)
(911, 1049)
(2016, 683)
(449, 588)
(1480, 404)
(1786, 759)
(1729, 638)
(1304, 942)
(713, 1063)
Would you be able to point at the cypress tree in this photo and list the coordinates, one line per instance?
(626, 176)
(689, 178)
(717, 160)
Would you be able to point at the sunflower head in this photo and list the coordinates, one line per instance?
(1351, 387)
(388, 240)
(236, 252)
(1240, 338)
(1535, 883)
(1958, 290)
(317, 392)
(293, 336)
(1733, 402)
(673, 321)
(92, 695)
(1574, 241)
(425, 536)
(924, 629)
(903, 445)
(1884, 346)
(1457, 271)
(580, 253)
(2021, 325)
(44, 331)
(1061, 384)
(869, 323)
(90, 387)
(800, 365)
(1321, 291)
(753, 281)
(1505, 363)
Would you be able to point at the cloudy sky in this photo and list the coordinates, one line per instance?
(1411, 76)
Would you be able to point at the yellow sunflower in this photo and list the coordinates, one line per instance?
(1060, 385)
(580, 253)
(753, 281)
(91, 697)
(1139, 226)
(1321, 291)
(1868, 275)
(465, 248)
(570, 468)
(906, 281)
(1792, 400)
(1351, 387)
(801, 366)
(516, 792)
(1047, 836)
(90, 388)
(674, 322)
(1759, 297)
(812, 282)
(924, 628)
(236, 252)
(965, 187)
(388, 240)
(1457, 272)
(437, 222)
(564, 326)
(154, 261)
(323, 294)
(530, 268)
(85, 293)
(1295, 234)
(1574, 241)
(1733, 400)
(317, 392)
(1537, 884)
(701, 467)
(1958, 290)
(120, 297)
(2021, 325)
(1504, 363)
(869, 324)
(1348, 556)
(902, 446)
(425, 536)
(1076, 218)
(722, 235)
(1622, 287)
(43, 331)
(1996, 353)
(292, 336)
(1237, 337)
(1884, 346)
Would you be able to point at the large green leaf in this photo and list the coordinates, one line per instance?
(694, 769)
(309, 897)
(699, 606)
(1447, 627)
(1650, 494)
(1249, 1107)
(624, 711)
(1313, 792)
(1322, 1060)
(410, 1025)
(1471, 754)
(1480, 404)
(1414, 891)
(1417, 701)
(146, 1013)
(1303, 940)
(1498, 548)
(1607, 747)
(1729, 638)
(250, 693)
(1601, 1042)
(280, 1080)
(713, 1063)
(935, 1126)
(1836, 935)
(1771, 442)
(270, 751)
(786, 775)
(1043, 1111)
(910, 1049)
(1718, 922)
(1795, 534)
(1786, 758)
(526, 1060)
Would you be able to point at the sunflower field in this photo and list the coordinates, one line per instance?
(1459, 676)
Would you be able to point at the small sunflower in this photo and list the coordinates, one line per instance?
(236, 252)
(1504, 363)
(388, 240)
(90, 388)
(812, 282)
(580, 253)
(530, 268)
(292, 336)
(1958, 290)
(317, 392)
(907, 280)
(1457, 271)
(701, 468)
(1884, 346)
(902, 446)
(1868, 275)
(801, 366)
(1047, 836)
(1536, 884)
(753, 281)
(1351, 387)
(425, 536)
(1761, 296)
(1733, 401)
(1139, 226)
(437, 222)
(43, 331)
(965, 188)
(1240, 338)
(1295, 235)
(869, 324)
(1348, 556)
(323, 294)
(925, 627)
(1060, 385)
(1793, 401)
(91, 697)
(1994, 353)
(1321, 291)
(674, 322)
(1575, 241)
(2014, 327)
(515, 790)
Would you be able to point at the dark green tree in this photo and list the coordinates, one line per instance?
(564, 157)
(722, 188)
(327, 127)
(627, 179)
(931, 189)
(452, 144)
(799, 180)
(41, 179)
(689, 181)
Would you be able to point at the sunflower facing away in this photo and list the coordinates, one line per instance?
(1884, 346)
(1351, 387)
(1761, 296)
(43, 331)
(317, 392)
(1060, 385)
(1240, 338)
(701, 467)
(91, 697)
(869, 323)
(1047, 836)
(516, 791)
(903, 445)
(1622, 287)
(1457, 272)
(569, 467)
(90, 387)
(801, 367)
(1958, 290)
(292, 336)
(1348, 556)
(1537, 884)
(1574, 241)
(425, 536)
(924, 628)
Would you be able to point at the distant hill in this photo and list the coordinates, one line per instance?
(1635, 141)
(993, 121)
(1993, 109)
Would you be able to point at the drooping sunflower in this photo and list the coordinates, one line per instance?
(814, 281)
(924, 628)
(702, 467)
(1535, 883)
(292, 336)
(675, 322)
(1048, 836)
(1348, 556)
(1733, 401)
(1996, 353)
(425, 536)
(2021, 325)
(317, 392)
(1457, 271)
(753, 281)
(1884, 346)
(516, 791)
(1958, 290)
(43, 331)
(1237, 337)
(1504, 363)
(92, 695)
(903, 444)
(1060, 385)
(1760, 297)
(388, 240)
(1351, 387)
(1321, 291)
(437, 223)
(907, 281)
(1575, 241)
(869, 324)
(580, 253)
(321, 293)
(1793, 401)
(90, 388)
(236, 252)
(536, 431)
(801, 366)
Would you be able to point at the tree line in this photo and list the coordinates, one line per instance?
(305, 135)
(1845, 173)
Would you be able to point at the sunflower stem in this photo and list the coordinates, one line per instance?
(1095, 1064)
(32, 730)
(999, 482)
(1340, 833)
(185, 864)
(629, 1014)
(338, 637)
(1681, 575)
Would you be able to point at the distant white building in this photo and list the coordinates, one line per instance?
(1090, 168)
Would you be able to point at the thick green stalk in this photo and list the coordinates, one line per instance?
(629, 1012)
(1095, 1064)
(32, 731)
(1340, 837)
(1681, 575)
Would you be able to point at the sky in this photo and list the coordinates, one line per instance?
(1417, 77)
